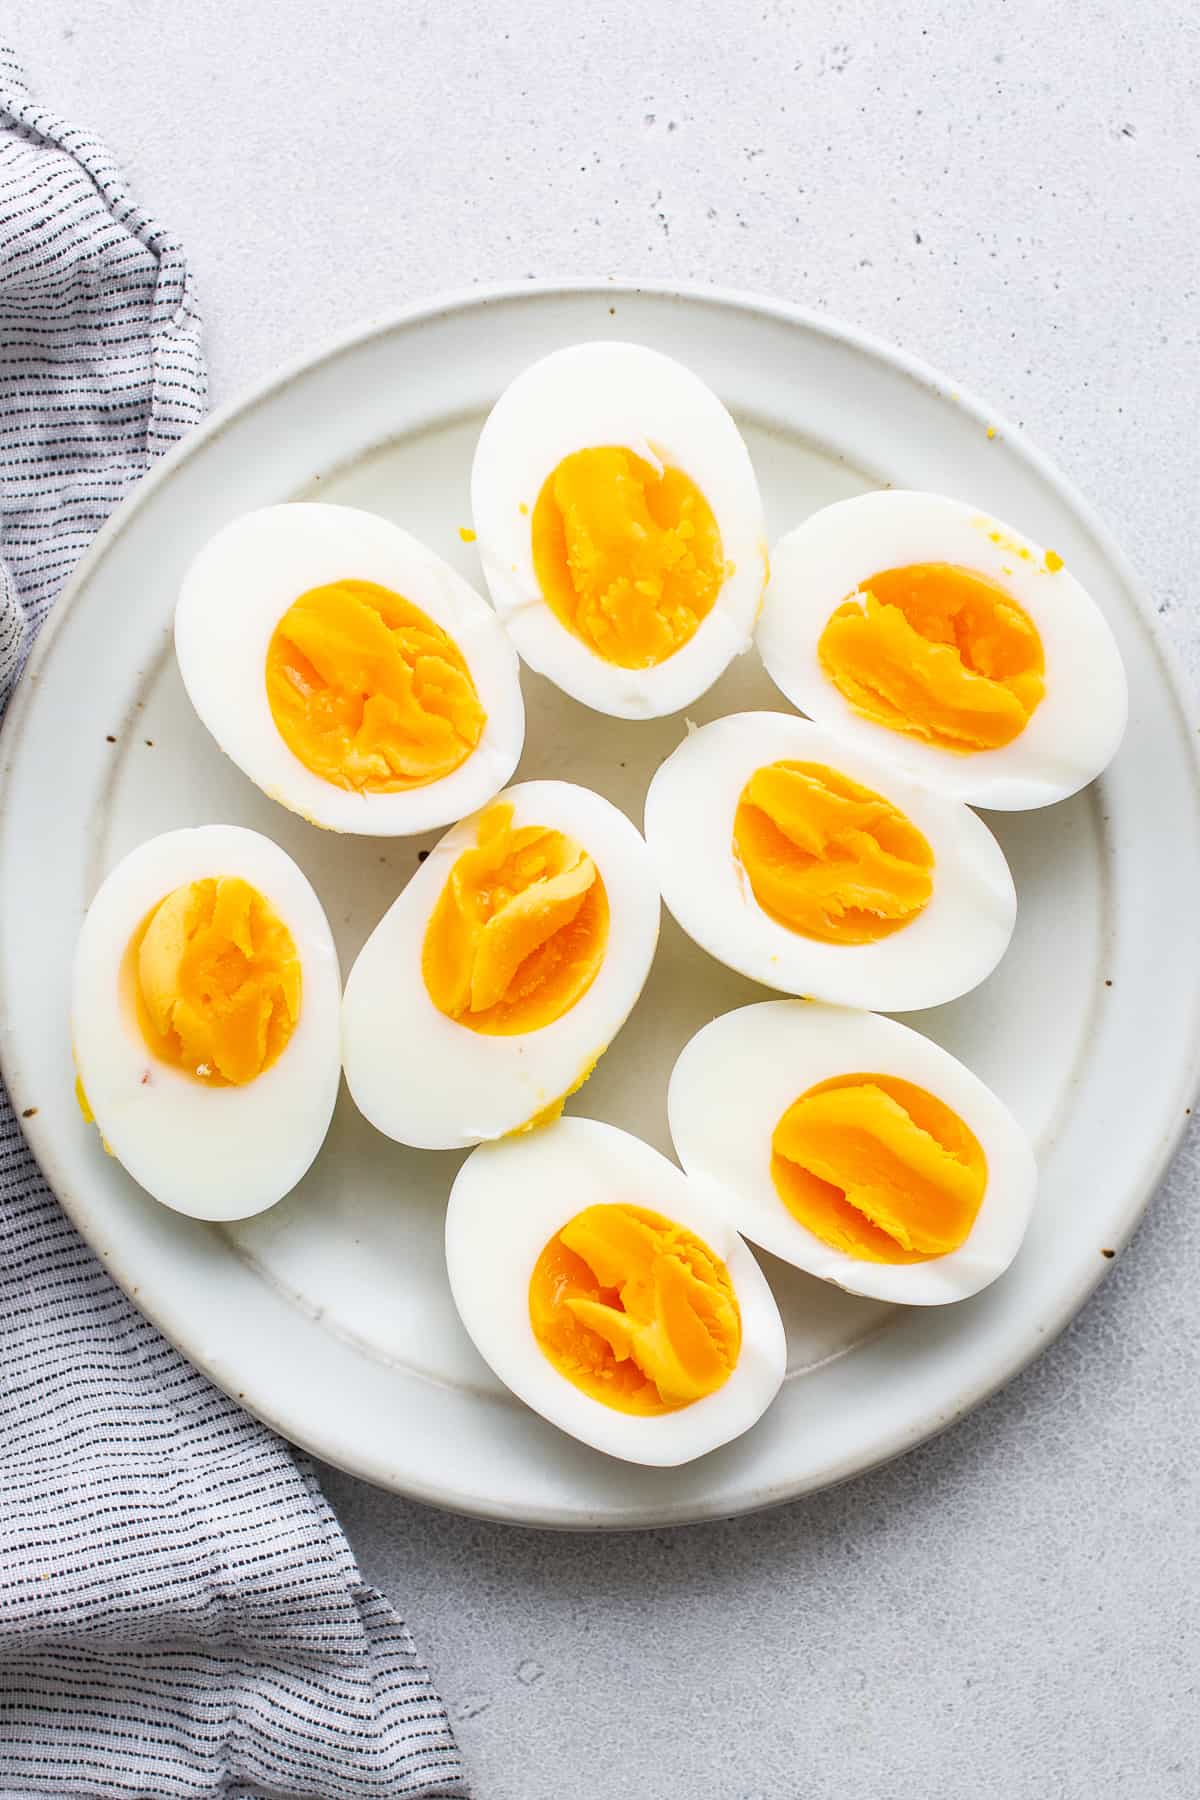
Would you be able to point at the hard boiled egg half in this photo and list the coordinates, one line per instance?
(620, 527)
(854, 1148)
(204, 1020)
(348, 671)
(489, 990)
(791, 855)
(610, 1295)
(932, 635)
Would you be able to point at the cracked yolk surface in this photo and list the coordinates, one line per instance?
(828, 858)
(368, 692)
(519, 931)
(635, 1310)
(938, 652)
(879, 1168)
(215, 981)
(628, 557)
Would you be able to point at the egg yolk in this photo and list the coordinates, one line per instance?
(879, 1169)
(368, 692)
(828, 858)
(215, 981)
(938, 652)
(519, 930)
(635, 1310)
(86, 1113)
(627, 556)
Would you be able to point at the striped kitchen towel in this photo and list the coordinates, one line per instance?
(180, 1616)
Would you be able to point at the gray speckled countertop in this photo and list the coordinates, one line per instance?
(1011, 191)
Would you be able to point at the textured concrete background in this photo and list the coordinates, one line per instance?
(1009, 190)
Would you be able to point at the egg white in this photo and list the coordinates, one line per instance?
(951, 946)
(233, 596)
(1072, 735)
(220, 1152)
(585, 397)
(426, 1080)
(511, 1198)
(736, 1078)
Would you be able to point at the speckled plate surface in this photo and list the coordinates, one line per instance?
(330, 1316)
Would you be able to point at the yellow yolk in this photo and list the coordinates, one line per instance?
(628, 558)
(553, 1109)
(828, 858)
(215, 981)
(86, 1113)
(368, 692)
(518, 932)
(937, 652)
(635, 1310)
(879, 1168)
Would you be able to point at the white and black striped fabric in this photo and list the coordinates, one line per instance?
(180, 1616)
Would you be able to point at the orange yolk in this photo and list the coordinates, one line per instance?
(937, 652)
(828, 858)
(215, 981)
(635, 1310)
(368, 692)
(879, 1169)
(628, 558)
(518, 932)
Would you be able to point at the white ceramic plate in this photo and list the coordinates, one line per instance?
(330, 1316)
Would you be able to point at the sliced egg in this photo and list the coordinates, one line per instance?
(610, 1295)
(348, 671)
(204, 1020)
(492, 986)
(933, 636)
(620, 527)
(854, 1148)
(792, 856)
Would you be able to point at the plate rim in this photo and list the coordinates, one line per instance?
(1029, 1338)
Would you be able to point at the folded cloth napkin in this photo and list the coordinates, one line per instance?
(180, 1615)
